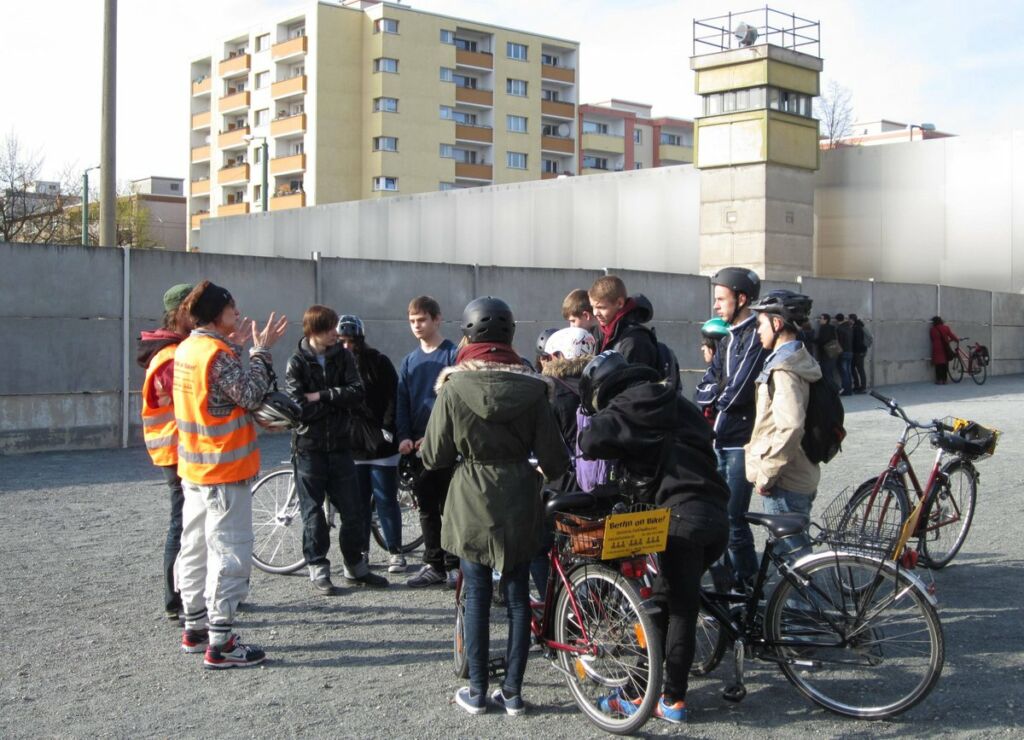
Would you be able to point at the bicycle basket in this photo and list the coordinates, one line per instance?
(585, 536)
(858, 524)
(975, 441)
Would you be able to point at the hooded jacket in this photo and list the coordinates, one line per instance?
(565, 403)
(630, 337)
(151, 342)
(325, 423)
(493, 416)
(775, 456)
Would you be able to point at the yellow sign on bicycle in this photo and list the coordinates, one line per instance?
(638, 533)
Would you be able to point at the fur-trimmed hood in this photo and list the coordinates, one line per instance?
(559, 367)
(495, 391)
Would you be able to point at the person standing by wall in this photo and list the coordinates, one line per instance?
(844, 335)
(829, 348)
(941, 337)
(861, 343)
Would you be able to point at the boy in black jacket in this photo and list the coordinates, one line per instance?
(322, 378)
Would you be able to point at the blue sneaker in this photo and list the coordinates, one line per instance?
(512, 705)
(674, 713)
(472, 703)
(618, 703)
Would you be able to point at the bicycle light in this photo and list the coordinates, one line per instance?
(634, 568)
(902, 468)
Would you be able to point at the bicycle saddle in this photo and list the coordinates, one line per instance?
(780, 525)
(568, 502)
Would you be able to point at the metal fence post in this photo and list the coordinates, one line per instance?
(126, 303)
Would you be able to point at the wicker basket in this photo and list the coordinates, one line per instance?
(584, 535)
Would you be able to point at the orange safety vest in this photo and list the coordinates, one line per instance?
(158, 426)
(211, 449)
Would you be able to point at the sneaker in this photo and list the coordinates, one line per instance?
(369, 580)
(323, 585)
(233, 654)
(512, 705)
(396, 563)
(194, 641)
(172, 615)
(618, 703)
(472, 703)
(674, 713)
(428, 575)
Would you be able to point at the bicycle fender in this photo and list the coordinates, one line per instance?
(888, 565)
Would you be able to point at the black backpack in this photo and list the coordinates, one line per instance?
(668, 364)
(823, 427)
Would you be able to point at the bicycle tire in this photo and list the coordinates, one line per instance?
(977, 368)
(627, 642)
(891, 505)
(276, 524)
(710, 645)
(952, 504)
(885, 623)
(956, 369)
(412, 533)
(460, 663)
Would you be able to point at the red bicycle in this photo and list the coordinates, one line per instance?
(945, 504)
(592, 623)
(975, 360)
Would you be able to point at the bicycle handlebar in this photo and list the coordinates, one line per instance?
(896, 410)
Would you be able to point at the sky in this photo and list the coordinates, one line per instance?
(957, 65)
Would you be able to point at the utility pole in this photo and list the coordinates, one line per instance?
(108, 142)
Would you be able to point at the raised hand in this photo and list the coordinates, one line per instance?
(270, 333)
(242, 332)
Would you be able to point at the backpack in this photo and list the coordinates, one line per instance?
(668, 364)
(868, 339)
(589, 473)
(823, 427)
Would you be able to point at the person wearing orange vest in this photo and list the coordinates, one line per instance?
(217, 458)
(156, 355)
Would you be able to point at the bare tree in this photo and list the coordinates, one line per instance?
(26, 215)
(835, 111)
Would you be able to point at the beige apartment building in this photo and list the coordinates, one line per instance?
(363, 99)
(618, 135)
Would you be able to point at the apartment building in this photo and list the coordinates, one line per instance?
(364, 99)
(873, 133)
(618, 135)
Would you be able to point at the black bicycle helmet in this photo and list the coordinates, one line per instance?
(277, 412)
(606, 376)
(739, 280)
(488, 319)
(351, 326)
(793, 308)
(542, 340)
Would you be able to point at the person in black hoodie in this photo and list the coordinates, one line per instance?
(663, 444)
(323, 379)
(374, 446)
(622, 319)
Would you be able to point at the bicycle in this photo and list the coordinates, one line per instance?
(277, 523)
(592, 622)
(946, 503)
(854, 632)
(975, 361)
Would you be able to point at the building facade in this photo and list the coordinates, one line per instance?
(365, 99)
(873, 133)
(618, 135)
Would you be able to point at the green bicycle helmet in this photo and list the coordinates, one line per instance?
(714, 328)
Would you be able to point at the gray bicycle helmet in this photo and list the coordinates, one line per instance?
(351, 326)
(277, 412)
(739, 280)
(793, 308)
(488, 319)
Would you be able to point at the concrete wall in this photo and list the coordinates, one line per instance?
(61, 314)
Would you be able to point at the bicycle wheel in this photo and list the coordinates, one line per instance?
(412, 533)
(977, 368)
(948, 517)
(602, 613)
(956, 369)
(876, 515)
(276, 524)
(871, 651)
(459, 661)
(710, 645)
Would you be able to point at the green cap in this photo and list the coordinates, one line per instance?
(175, 295)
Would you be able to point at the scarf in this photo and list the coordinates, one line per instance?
(489, 352)
(609, 330)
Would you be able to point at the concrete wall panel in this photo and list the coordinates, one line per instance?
(67, 281)
(958, 305)
(900, 301)
(57, 355)
(839, 296)
(75, 421)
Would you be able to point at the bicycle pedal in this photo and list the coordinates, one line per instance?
(735, 693)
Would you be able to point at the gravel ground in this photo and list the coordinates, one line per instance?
(89, 652)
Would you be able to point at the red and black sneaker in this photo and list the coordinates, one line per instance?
(194, 641)
(233, 654)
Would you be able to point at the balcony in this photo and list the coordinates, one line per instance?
(673, 153)
(558, 74)
(201, 120)
(200, 154)
(288, 49)
(472, 96)
(604, 143)
(287, 88)
(197, 218)
(202, 87)
(237, 173)
(233, 102)
(288, 165)
(234, 66)
(233, 209)
(549, 175)
(200, 187)
(560, 144)
(473, 171)
(478, 59)
(480, 134)
(285, 201)
(557, 109)
(233, 139)
(288, 125)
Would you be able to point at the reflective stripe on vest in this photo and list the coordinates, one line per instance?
(211, 449)
(158, 425)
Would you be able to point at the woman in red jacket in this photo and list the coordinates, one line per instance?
(941, 336)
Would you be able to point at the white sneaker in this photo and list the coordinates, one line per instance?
(396, 563)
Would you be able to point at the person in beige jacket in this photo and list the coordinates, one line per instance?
(776, 463)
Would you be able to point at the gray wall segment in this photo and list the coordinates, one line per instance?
(59, 281)
(76, 421)
(838, 296)
(965, 305)
(60, 355)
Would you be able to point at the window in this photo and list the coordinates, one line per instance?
(446, 186)
(670, 139)
(464, 156)
(385, 64)
(263, 42)
(549, 59)
(638, 165)
(551, 95)
(595, 163)
(515, 87)
(516, 124)
(262, 117)
(515, 160)
(447, 37)
(297, 31)
(299, 148)
(465, 44)
(464, 81)
(593, 127)
(515, 51)
(385, 183)
(447, 113)
(385, 105)
(385, 25)
(296, 70)
(549, 165)
(257, 193)
(638, 136)
(385, 144)
(447, 74)
(262, 80)
(175, 186)
(447, 151)
(257, 155)
(450, 114)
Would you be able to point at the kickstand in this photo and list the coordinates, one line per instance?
(737, 691)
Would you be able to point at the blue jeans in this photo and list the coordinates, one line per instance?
(172, 599)
(379, 484)
(846, 371)
(477, 583)
(331, 475)
(742, 556)
(782, 501)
